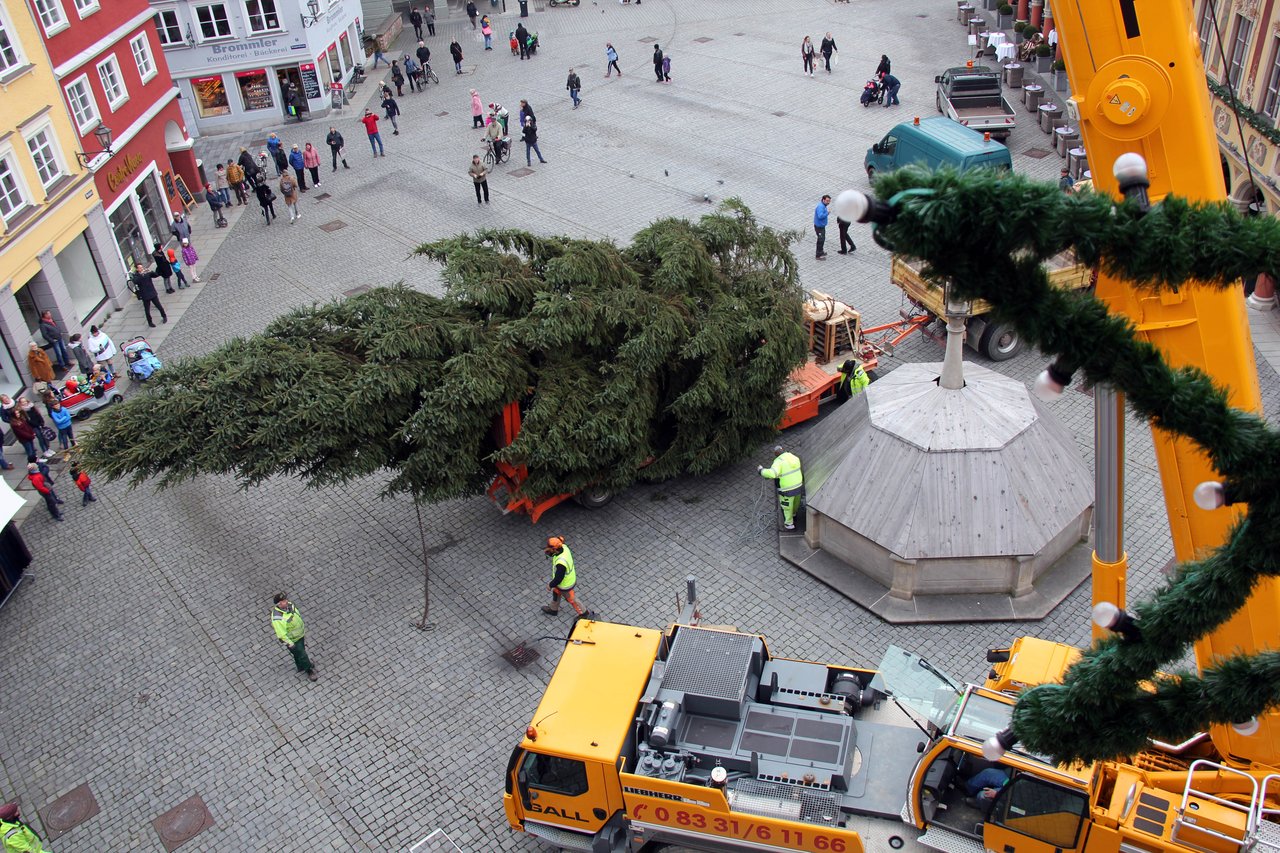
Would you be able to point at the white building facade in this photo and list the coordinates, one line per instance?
(236, 61)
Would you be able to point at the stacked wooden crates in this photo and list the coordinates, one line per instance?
(834, 328)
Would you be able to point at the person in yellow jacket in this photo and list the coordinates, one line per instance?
(286, 621)
(852, 380)
(563, 577)
(786, 470)
(15, 835)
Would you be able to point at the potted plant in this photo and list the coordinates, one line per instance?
(1044, 58)
(1005, 16)
(1018, 28)
(1060, 76)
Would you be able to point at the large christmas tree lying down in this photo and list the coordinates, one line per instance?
(671, 352)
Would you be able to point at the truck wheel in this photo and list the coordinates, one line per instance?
(1000, 342)
(593, 497)
(871, 174)
(937, 99)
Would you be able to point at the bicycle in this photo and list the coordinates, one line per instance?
(492, 158)
(427, 75)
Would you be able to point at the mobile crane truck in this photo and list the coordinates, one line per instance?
(697, 736)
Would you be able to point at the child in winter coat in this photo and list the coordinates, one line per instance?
(176, 263)
(189, 257)
(82, 482)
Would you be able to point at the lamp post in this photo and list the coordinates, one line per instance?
(313, 6)
(102, 133)
(958, 310)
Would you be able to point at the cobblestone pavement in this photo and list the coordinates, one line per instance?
(139, 658)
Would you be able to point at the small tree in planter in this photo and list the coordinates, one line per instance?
(1019, 27)
(1005, 16)
(1044, 58)
(1060, 83)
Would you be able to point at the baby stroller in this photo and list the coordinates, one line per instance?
(532, 46)
(872, 93)
(142, 359)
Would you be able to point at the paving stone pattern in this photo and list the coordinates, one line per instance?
(139, 657)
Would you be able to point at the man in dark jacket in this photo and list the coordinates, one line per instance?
(522, 37)
(249, 166)
(180, 227)
(392, 111)
(424, 56)
(164, 269)
(415, 18)
(140, 283)
(891, 86)
(53, 336)
(472, 12)
(334, 141)
(827, 48)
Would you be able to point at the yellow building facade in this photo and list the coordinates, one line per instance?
(56, 249)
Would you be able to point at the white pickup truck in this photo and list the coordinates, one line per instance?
(971, 95)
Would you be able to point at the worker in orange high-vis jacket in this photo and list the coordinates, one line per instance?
(563, 577)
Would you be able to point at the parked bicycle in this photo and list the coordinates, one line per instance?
(498, 152)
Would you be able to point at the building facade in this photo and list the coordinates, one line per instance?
(56, 247)
(244, 64)
(112, 73)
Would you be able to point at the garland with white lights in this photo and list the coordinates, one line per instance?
(990, 234)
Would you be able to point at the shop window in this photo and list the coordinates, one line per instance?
(255, 90)
(130, 240)
(142, 56)
(343, 43)
(10, 56)
(85, 8)
(155, 214)
(211, 96)
(168, 27)
(84, 281)
(263, 17)
(52, 18)
(213, 21)
(335, 67)
(112, 82)
(13, 196)
(83, 109)
(44, 152)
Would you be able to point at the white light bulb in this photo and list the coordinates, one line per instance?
(1246, 727)
(1130, 168)
(1105, 614)
(992, 749)
(1047, 388)
(1209, 495)
(851, 205)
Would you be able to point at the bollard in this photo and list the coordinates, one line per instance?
(1064, 139)
(1032, 94)
(1013, 75)
(1049, 113)
(1077, 163)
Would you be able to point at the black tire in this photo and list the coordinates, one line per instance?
(488, 158)
(593, 497)
(1000, 342)
(117, 398)
(937, 99)
(871, 174)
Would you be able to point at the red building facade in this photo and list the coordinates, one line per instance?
(107, 58)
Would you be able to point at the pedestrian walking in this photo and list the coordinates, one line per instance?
(236, 177)
(480, 177)
(397, 77)
(180, 227)
(189, 257)
(522, 40)
(221, 185)
(611, 60)
(164, 269)
(266, 200)
(807, 55)
(83, 483)
(62, 423)
(289, 629)
(827, 48)
(563, 577)
(102, 347)
(413, 73)
(657, 61)
(486, 29)
(38, 361)
(666, 67)
(335, 142)
(526, 112)
(140, 282)
(175, 261)
(289, 193)
(574, 85)
(215, 206)
(18, 837)
(845, 239)
(477, 111)
(455, 50)
(52, 335)
(84, 360)
(530, 137)
(891, 86)
(24, 432)
(370, 122)
(415, 18)
(378, 55)
(275, 147)
(786, 470)
(248, 166)
(884, 66)
(820, 214)
(472, 12)
(51, 501)
(430, 15)
(391, 109)
(311, 159)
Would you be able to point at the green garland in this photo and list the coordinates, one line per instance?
(990, 235)
(1253, 118)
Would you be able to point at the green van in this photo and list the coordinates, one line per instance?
(935, 141)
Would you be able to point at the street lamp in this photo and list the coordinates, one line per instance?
(956, 305)
(103, 134)
(313, 6)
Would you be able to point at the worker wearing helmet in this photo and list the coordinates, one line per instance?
(852, 380)
(16, 836)
(786, 470)
(563, 577)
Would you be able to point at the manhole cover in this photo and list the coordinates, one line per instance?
(333, 226)
(356, 291)
(1037, 153)
(215, 276)
(182, 823)
(442, 113)
(703, 39)
(321, 197)
(70, 810)
(779, 114)
(522, 172)
(520, 656)
(648, 40)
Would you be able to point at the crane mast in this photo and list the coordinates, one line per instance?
(1138, 85)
